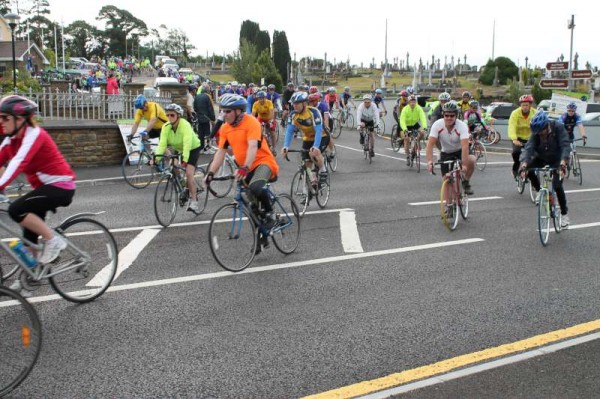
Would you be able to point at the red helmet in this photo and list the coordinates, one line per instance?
(404, 93)
(313, 89)
(526, 98)
(18, 106)
(314, 97)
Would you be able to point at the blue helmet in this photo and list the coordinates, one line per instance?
(261, 94)
(299, 97)
(539, 121)
(572, 106)
(233, 101)
(378, 91)
(139, 102)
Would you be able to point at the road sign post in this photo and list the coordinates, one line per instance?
(581, 74)
(554, 83)
(557, 66)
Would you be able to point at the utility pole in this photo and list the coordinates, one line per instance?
(493, 39)
(571, 25)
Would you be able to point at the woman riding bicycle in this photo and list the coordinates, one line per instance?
(30, 150)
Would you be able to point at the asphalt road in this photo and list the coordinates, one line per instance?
(414, 294)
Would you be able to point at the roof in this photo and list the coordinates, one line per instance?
(22, 48)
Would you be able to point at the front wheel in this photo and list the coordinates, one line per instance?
(323, 191)
(449, 205)
(21, 336)
(481, 156)
(349, 123)
(380, 129)
(232, 237)
(544, 217)
(577, 169)
(88, 265)
(332, 159)
(395, 139)
(165, 200)
(136, 169)
(286, 233)
(300, 190)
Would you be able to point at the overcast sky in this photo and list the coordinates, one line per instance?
(534, 29)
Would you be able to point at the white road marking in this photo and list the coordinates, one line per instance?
(377, 153)
(583, 190)
(438, 201)
(349, 230)
(258, 269)
(126, 256)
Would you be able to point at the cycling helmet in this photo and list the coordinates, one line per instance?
(539, 121)
(366, 97)
(139, 102)
(290, 84)
(271, 87)
(250, 84)
(404, 93)
(347, 88)
(233, 101)
(192, 87)
(261, 94)
(444, 97)
(18, 106)
(466, 94)
(378, 91)
(572, 106)
(450, 106)
(412, 97)
(234, 83)
(263, 88)
(174, 107)
(254, 90)
(410, 90)
(313, 89)
(314, 97)
(299, 97)
(526, 98)
(474, 104)
(333, 90)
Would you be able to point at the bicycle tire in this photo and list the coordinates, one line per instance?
(557, 218)
(300, 190)
(497, 138)
(380, 129)
(8, 266)
(569, 167)
(520, 184)
(577, 169)
(481, 156)
(337, 127)
(417, 150)
(448, 205)
(332, 161)
(166, 200)
(366, 148)
(395, 139)
(286, 234)
(463, 201)
(532, 192)
(222, 188)
(544, 217)
(349, 121)
(323, 192)
(99, 257)
(136, 170)
(232, 237)
(201, 191)
(21, 332)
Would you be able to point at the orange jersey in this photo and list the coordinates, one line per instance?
(237, 138)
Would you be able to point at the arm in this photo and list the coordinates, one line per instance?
(289, 133)
(403, 115)
(318, 134)
(423, 119)
(512, 126)
(151, 123)
(162, 142)
(431, 142)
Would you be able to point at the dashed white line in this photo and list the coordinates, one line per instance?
(349, 230)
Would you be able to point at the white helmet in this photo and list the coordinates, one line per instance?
(367, 97)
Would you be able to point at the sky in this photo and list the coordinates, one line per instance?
(356, 31)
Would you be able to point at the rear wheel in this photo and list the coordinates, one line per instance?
(286, 233)
(395, 139)
(332, 159)
(544, 217)
(448, 205)
(300, 190)
(136, 169)
(481, 155)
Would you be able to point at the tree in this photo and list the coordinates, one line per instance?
(281, 54)
(506, 70)
(5, 6)
(120, 24)
(242, 64)
(514, 91)
(80, 38)
(538, 93)
(265, 68)
(251, 32)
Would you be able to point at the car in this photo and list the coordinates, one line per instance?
(490, 108)
(185, 71)
(164, 81)
(150, 92)
(503, 111)
(591, 117)
(544, 105)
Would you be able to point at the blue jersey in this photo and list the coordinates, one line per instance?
(273, 96)
(377, 100)
(344, 98)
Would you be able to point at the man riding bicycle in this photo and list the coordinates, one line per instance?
(519, 128)
(571, 119)
(265, 112)
(150, 111)
(368, 115)
(412, 118)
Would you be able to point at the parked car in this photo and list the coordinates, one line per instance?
(186, 71)
(503, 111)
(163, 81)
(490, 108)
(591, 117)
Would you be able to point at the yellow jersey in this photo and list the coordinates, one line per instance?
(263, 110)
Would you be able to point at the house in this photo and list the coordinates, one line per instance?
(27, 54)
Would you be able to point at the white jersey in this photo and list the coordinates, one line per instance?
(449, 140)
(367, 114)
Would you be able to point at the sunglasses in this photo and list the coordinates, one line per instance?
(4, 118)
(449, 115)
(171, 115)
(228, 111)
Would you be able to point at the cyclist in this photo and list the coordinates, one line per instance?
(150, 111)
(257, 165)
(179, 135)
(519, 128)
(473, 117)
(285, 99)
(453, 135)
(401, 102)
(412, 118)
(438, 112)
(274, 97)
(368, 115)
(264, 111)
(331, 98)
(378, 100)
(205, 112)
(571, 119)
(548, 145)
(314, 138)
(30, 150)
(314, 100)
(464, 104)
(346, 98)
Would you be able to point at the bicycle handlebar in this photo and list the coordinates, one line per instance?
(300, 151)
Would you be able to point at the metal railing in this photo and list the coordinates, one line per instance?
(55, 105)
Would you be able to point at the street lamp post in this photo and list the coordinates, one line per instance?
(13, 19)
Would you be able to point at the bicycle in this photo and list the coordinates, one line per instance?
(414, 149)
(367, 143)
(380, 129)
(548, 207)
(330, 158)
(521, 182)
(222, 187)
(452, 196)
(478, 149)
(236, 228)
(85, 268)
(346, 118)
(21, 335)
(302, 187)
(574, 163)
(266, 133)
(136, 168)
(395, 139)
(171, 191)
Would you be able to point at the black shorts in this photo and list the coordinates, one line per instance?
(307, 145)
(154, 133)
(194, 155)
(447, 156)
(369, 125)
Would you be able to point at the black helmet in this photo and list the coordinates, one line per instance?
(18, 106)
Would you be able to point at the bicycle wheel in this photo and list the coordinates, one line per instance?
(337, 128)
(136, 169)
(323, 191)
(232, 237)
(520, 184)
(544, 217)
(349, 123)
(577, 169)
(300, 190)
(463, 202)
(395, 139)
(223, 187)
(569, 167)
(366, 148)
(557, 218)
(497, 137)
(417, 150)
(481, 155)
(88, 265)
(165, 200)
(286, 233)
(201, 191)
(532, 192)
(448, 205)
(21, 341)
(8, 266)
(380, 129)
(332, 159)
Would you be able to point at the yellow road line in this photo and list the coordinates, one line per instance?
(444, 366)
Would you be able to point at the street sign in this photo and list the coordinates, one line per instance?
(581, 74)
(554, 83)
(557, 66)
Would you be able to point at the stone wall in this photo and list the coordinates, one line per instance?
(88, 143)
